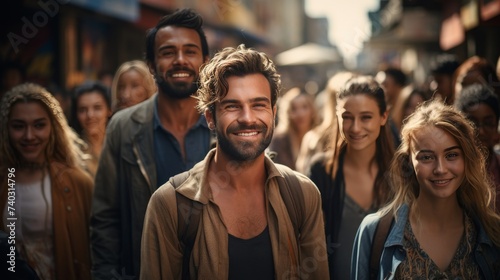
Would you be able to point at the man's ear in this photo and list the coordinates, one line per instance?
(275, 117)
(210, 119)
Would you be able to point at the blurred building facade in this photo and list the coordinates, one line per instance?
(66, 42)
(410, 33)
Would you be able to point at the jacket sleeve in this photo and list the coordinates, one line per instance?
(79, 225)
(105, 218)
(360, 262)
(317, 173)
(313, 255)
(161, 252)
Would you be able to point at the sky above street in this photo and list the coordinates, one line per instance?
(348, 20)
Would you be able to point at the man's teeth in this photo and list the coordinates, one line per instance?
(180, 75)
(247, 134)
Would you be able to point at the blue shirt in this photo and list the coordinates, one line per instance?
(486, 254)
(168, 155)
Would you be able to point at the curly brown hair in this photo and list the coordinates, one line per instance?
(230, 62)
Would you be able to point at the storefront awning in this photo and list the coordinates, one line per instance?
(308, 54)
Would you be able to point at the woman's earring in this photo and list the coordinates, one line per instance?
(211, 126)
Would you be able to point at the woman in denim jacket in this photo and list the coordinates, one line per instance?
(444, 224)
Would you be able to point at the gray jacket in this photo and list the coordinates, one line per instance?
(125, 180)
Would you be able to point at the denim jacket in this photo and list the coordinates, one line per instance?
(486, 254)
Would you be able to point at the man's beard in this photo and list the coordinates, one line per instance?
(178, 90)
(247, 150)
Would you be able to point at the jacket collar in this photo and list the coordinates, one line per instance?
(396, 234)
(197, 188)
(144, 111)
(143, 142)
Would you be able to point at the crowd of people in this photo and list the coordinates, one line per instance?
(192, 167)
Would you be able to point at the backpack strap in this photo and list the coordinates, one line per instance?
(292, 196)
(189, 211)
(188, 219)
(379, 238)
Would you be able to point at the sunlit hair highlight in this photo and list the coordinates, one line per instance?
(63, 141)
(475, 192)
(143, 70)
(285, 107)
(229, 62)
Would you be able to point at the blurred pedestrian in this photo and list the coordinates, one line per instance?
(481, 105)
(52, 194)
(393, 81)
(105, 77)
(409, 99)
(442, 70)
(132, 84)
(316, 140)
(147, 144)
(296, 116)
(476, 70)
(442, 225)
(91, 105)
(350, 175)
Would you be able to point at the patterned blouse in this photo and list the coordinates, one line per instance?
(418, 265)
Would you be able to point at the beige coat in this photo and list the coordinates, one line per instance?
(71, 198)
(161, 253)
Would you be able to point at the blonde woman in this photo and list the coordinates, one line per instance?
(444, 227)
(296, 116)
(52, 193)
(132, 84)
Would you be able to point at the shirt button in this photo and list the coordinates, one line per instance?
(68, 208)
(66, 190)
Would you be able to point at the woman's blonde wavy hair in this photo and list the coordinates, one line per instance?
(142, 69)
(285, 106)
(63, 141)
(476, 192)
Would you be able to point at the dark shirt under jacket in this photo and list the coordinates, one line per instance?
(168, 156)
